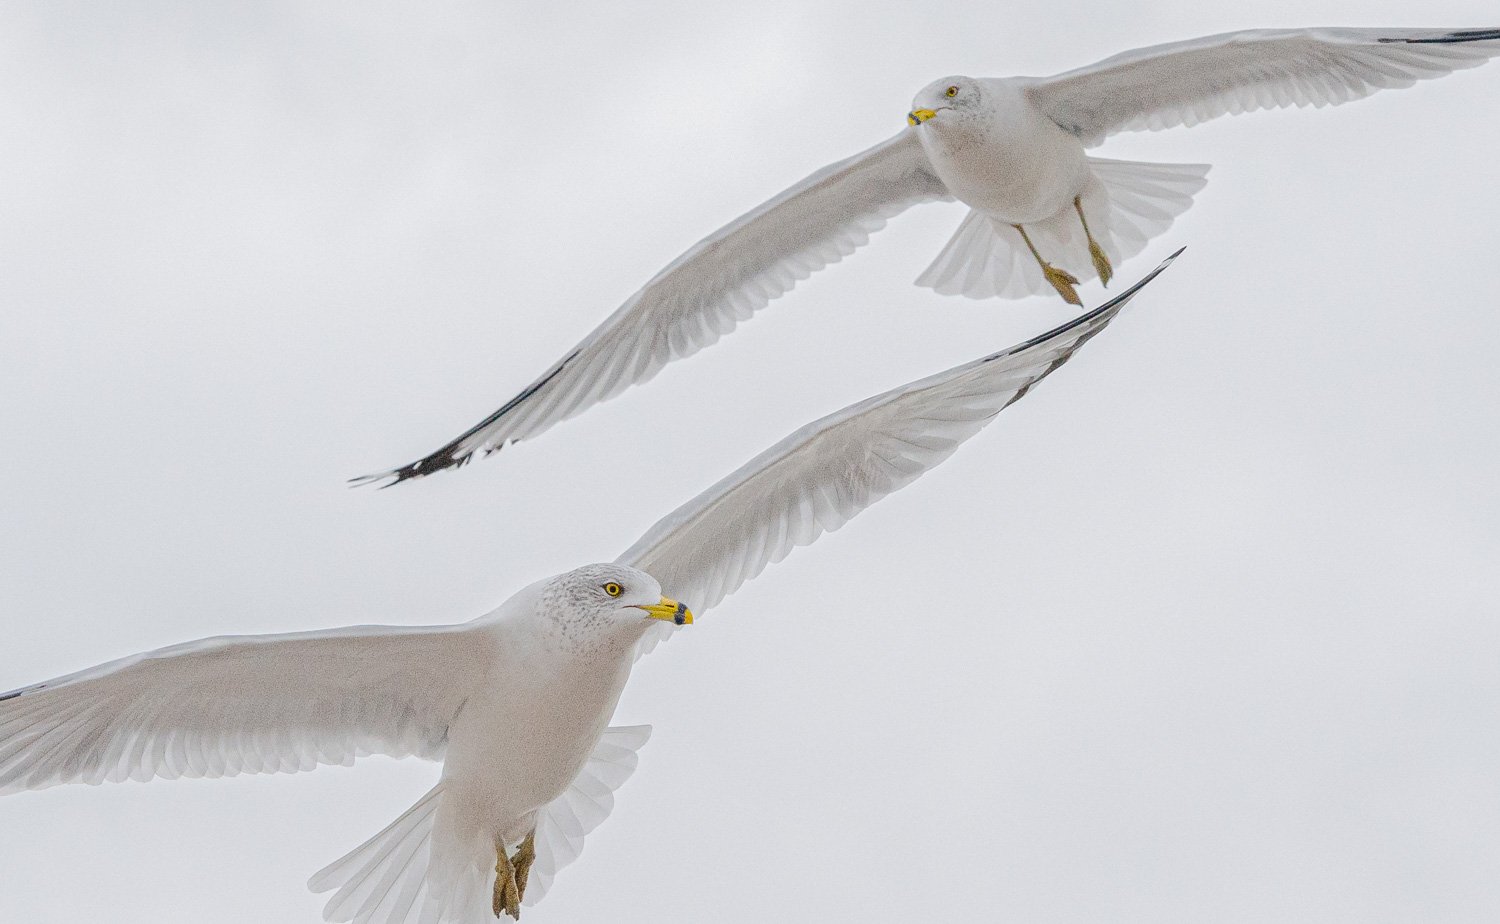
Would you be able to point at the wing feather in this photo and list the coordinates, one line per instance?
(706, 292)
(247, 704)
(824, 474)
(1184, 83)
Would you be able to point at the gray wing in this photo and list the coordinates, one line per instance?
(246, 704)
(824, 474)
(705, 293)
(1184, 83)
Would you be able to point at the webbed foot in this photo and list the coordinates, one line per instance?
(507, 898)
(525, 856)
(1101, 262)
(1063, 281)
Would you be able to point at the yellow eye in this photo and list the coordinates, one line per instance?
(613, 589)
(952, 92)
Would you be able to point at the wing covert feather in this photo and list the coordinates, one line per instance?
(242, 704)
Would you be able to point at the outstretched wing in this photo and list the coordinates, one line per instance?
(818, 478)
(706, 292)
(1184, 83)
(246, 704)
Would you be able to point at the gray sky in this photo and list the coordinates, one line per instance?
(1204, 629)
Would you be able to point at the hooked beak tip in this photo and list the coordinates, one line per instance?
(669, 610)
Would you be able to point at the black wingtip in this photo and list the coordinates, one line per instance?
(1459, 37)
(437, 462)
(1113, 304)
(360, 481)
(450, 456)
(1139, 284)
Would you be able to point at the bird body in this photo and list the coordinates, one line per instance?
(1043, 215)
(532, 717)
(1032, 191)
(1005, 157)
(516, 704)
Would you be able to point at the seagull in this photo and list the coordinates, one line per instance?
(516, 704)
(1013, 150)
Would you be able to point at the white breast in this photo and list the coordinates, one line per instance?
(518, 745)
(1010, 160)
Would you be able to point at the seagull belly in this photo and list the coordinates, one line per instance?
(1015, 164)
(518, 746)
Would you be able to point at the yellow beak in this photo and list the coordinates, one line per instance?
(918, 116)
(669, 609)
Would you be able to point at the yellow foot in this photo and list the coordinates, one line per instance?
(1063, 281)
(1101, 262)
(507, 899)
(525, 856)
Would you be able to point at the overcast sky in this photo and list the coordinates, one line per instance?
(1205, 629)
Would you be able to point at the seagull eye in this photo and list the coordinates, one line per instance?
(952, 92)
(613, 589)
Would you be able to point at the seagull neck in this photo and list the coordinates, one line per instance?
(587, 639)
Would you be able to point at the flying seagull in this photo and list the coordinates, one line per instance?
(517, 702)
(1012, 149)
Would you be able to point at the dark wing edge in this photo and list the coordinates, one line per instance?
(452, 454)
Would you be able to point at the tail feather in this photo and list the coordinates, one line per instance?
(435, 865)
(1127, 204)
(383, 879)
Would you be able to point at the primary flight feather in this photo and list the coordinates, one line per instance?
(1044, 214)
(516, 704)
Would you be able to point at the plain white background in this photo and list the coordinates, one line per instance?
(1205, 629)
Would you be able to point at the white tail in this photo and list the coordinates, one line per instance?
(434, 865)
(1127, 204)
(385, 878)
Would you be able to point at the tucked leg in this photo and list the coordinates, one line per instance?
(525, 856)
(1096, 253)
(1061, 280)
(507, 899)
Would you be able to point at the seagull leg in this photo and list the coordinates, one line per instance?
(525, 856)
(1061, 280)
(1096, 253)
(507, 898)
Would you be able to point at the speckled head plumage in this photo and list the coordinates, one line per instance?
(600, 593)
(595, 603)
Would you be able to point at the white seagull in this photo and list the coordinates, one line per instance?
(1013, 150)
(515, 703)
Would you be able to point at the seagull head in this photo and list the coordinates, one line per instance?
(610, 594)
(950, 94)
